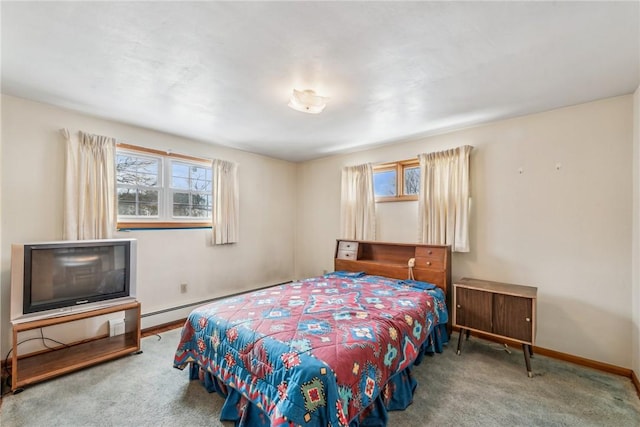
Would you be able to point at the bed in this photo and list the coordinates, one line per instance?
(332, 350)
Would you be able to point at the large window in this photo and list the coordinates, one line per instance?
(397, 181)
(158, 190)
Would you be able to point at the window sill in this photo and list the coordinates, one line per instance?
(122, 226)
(396, 199)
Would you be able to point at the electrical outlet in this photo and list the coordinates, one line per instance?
(116, 327)
(183, 288)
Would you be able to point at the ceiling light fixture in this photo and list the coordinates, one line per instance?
(307, 101)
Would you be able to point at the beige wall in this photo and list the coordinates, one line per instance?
(32, 191)
(566, 231)
(635, 253)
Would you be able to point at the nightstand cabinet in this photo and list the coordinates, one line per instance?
(500, 310)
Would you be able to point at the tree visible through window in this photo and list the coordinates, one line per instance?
(396, 181)
(191, 186)
(138, 182)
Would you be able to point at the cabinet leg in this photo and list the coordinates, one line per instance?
(530, 350)
(526, 349)
(467, 334)
(460, 340)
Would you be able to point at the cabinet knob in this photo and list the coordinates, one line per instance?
(459, 306)
(429, 252)
(428, 262)
(528, 319)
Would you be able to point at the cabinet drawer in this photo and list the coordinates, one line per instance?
(348, 246)
(345, 254)
(430, 258)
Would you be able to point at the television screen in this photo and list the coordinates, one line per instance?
(78, 273)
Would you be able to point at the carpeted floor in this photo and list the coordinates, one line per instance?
(485, 386)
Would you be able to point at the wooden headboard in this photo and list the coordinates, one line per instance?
(432, 262)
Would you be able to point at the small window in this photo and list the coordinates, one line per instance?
(397, 181)
(158, 190)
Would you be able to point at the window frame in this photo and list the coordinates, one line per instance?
(165, 192)
(399, 167)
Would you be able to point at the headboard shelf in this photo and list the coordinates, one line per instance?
(432, 262)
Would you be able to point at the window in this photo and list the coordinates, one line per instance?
(159, 190)
(397, 181)
(191, 190)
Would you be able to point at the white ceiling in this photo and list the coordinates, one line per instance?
(222, 72)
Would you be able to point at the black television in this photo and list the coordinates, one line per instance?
(57, 278)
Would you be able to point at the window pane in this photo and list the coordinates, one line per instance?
(412, 180)
(126, 195)
(201, 213)
(199, 179)
(142, 179)
(126, 201)
(181, 204)
(126, 208)
(384, 183)
(148, 209)
(191, 205)
(134, 202)
(148, 196)
(179, 170)
(190, 177)
(181, 198)
(136, 170)
(180, 183)
(199, 200)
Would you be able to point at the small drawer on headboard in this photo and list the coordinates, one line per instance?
(347, 246)
(427, 257)
(347, 254)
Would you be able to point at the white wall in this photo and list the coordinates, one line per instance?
(635, 253)
(566, 231)
(32, 190)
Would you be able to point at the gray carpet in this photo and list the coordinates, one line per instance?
(485, 386)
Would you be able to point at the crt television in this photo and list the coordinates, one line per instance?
(57, 278)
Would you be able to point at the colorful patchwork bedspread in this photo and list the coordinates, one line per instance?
(316, 351)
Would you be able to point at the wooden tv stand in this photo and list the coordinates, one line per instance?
(61, 360)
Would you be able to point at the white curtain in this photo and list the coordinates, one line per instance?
(444, 203)
(358, 211)
(90, 187)
(225, 213)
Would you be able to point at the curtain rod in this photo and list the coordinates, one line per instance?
(168, 153)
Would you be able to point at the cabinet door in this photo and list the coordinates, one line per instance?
(473, 309)
(512, 317)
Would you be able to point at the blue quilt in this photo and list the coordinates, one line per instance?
(325, 351)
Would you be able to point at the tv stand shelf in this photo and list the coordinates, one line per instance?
(61, 360)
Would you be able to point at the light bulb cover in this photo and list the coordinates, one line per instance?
(307, 101)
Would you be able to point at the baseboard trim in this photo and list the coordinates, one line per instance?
(154, 330)
(601, 366)
(582, 361)
(635, 381)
